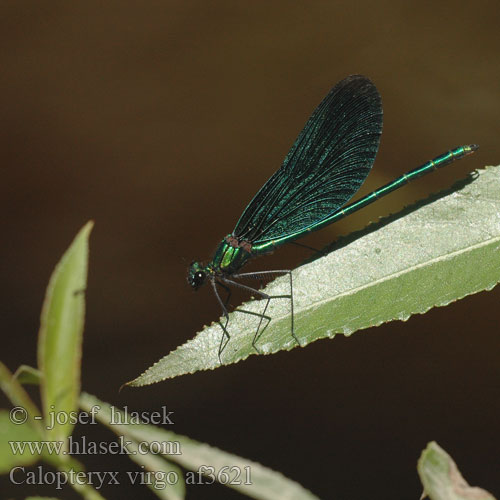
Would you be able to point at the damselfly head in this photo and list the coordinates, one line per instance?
(196, 275)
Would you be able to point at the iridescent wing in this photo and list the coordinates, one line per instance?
(324, 168)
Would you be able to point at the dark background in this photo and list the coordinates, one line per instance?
(160, 120)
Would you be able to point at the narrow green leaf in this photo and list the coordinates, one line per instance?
(442, 479)
(20, 399)
(166, 479)
(265, 484)
(162, 473)
(83, 486)
(40, 498)
(32, 431)
(405, 264)
(11, 438)
(28, 375)
(60, 336)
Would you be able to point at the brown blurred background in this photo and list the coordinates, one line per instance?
(160, 120)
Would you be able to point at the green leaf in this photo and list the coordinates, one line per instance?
(85, 488)
(60, 336)
(429, 255)
(166, 479)
(161, 471)
(10, 435)
(442, 479)
(40, 498)
(28, 375)
(266, 484)
(19, 397)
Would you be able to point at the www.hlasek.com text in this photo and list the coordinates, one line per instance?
(82, 446)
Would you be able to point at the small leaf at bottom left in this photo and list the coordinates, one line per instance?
(13, 438)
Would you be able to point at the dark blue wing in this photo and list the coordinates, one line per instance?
(325, 167)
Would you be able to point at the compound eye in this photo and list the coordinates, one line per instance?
(199, 278)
